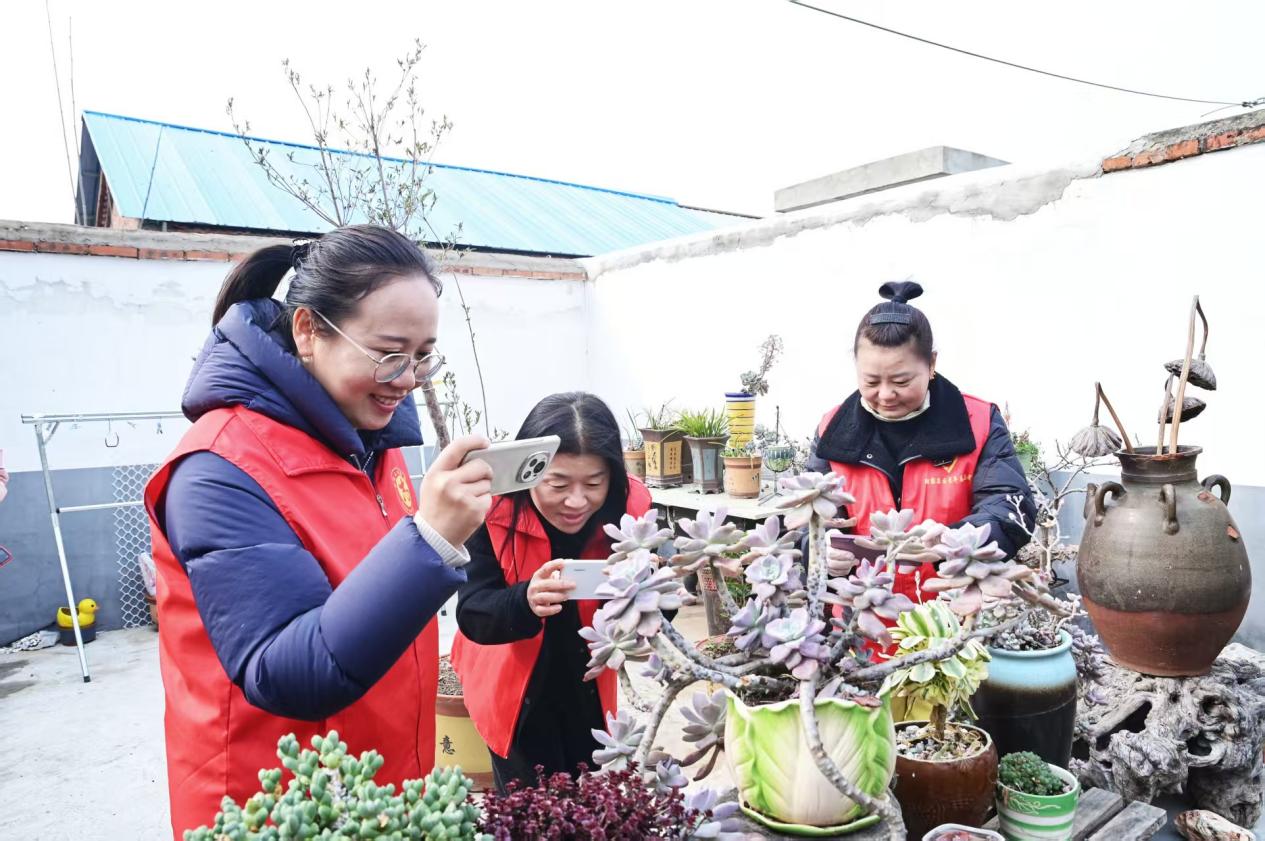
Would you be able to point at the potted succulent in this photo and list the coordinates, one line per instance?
(634, 448)
(1028, 451)
(803, 716)
(743, 466)
(330, 789)
(740, 404)
(662, 441)
(958, 832)
(945, 770)
(1159, 516)
(457, 742)
(705, 432)
(1036, 801)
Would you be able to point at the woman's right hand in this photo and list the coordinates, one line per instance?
(455, 498)
(546, 594)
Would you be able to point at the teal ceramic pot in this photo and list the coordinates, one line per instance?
(1029, 701)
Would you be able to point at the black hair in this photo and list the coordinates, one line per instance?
(331, 274)
(894, 322)
(586, 426)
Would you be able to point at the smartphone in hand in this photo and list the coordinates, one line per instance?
(587, 575)
(517, 465)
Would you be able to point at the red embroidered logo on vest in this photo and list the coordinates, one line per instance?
(403, 489)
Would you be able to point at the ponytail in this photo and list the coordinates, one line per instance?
(258, 276)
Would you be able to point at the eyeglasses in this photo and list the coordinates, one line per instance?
(393, 365)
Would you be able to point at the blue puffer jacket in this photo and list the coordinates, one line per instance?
(296, 646)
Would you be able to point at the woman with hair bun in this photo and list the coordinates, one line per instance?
(908, 438)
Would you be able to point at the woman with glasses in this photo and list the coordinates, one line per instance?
(298, 573)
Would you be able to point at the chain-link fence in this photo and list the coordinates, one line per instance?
(131, 538)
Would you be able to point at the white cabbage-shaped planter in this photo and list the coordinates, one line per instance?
(778, 781)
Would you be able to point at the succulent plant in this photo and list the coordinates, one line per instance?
(749, 627)
(655, 669)
(820, 493)
(798, 643)
(717, 821)
(707, 536)
(1026, 772)
(637, 592)
(636, 533)
(610, 645)
(868, 593)
(705, 719)
(619, 741)
(772, 576)
(974, 567)
(769, 539)
(333, 794)
(666, 775)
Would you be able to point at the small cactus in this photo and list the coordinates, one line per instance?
(1026, 772)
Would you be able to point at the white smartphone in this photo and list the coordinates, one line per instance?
(587, 575)
(517, 465)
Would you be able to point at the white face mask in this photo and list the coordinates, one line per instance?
(926, 404)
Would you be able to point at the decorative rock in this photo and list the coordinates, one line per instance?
(1202, 825)
(1203, 735)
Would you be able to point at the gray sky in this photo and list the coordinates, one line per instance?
(714, 103)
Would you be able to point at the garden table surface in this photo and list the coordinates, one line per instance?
(1103, 815)
(686, 499)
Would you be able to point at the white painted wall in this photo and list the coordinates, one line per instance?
(107, 334)
(1038, 283)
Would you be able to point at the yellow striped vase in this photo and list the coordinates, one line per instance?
(740, 407)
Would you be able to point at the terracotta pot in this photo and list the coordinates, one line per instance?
(663, 457)
(952, 791)
(458, 743)
(1162, 567)
(705, 459)
(742, 476)
(1028, 701)
(635, 463)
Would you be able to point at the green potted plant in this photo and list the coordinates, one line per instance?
(740, 405)
(1028, 451)
(945, 770)
(705, 432)
(634, 448)
(1036, 801)
(743, 466)
(662, 439)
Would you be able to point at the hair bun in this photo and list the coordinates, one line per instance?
(901, 292)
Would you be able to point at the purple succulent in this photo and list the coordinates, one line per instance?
(666, 775)
(655, 669)
(708, 536)
(749, 627)
(610, 645)
(768, 539)
(771, 575)
(813, 493)
(619, 741)
(634, 534)
(638, 592)
(717, 821)
(705, 719)
(868, 592)
(973, 567)
(798, 643)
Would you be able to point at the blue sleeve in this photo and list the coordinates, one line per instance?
(1000, 490)
(296, 646)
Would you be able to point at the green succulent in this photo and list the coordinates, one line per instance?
(1026, 772)
(333, 795)
(947, 685)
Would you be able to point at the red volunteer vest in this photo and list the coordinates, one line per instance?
(216, 741)
(502, 672)
(938, 492)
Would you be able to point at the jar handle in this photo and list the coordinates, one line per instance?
(1114, 489)
(1218, 481)
(1168, 496)
(1091, 490)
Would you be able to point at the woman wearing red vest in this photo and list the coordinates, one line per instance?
(298, 576)
(519, 653)
(907, 438)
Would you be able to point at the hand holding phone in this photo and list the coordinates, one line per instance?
(546, 592)
(586, 576)
(516, 465)
(455, 496)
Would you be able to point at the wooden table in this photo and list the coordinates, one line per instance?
(1103, 815)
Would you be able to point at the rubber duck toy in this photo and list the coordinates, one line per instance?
(87, 615)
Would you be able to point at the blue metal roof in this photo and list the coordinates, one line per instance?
(168, 173)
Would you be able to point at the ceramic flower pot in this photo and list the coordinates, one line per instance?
(742, 476)
(1162, 567)
(1035, 817)
(779, 784)
(740, 407)
(635, 463)
(946, 791)
(458, 743)
(663, 457)
(706, 462)
(1028, 702)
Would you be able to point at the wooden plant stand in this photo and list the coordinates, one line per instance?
(1102, 815)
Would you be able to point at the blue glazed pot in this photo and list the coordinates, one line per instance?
(1029, 701)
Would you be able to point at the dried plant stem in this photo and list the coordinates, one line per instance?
(1044, 600)
(1203, 345)
(1180, 399)
(827, 766)
(697, 666)
(939, 652)
(639, 703)
(1102, 395)
(1168, 396)
(436, 414)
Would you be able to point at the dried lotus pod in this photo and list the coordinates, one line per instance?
(1201, 374)
(1095, 441)
(1191, 408)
